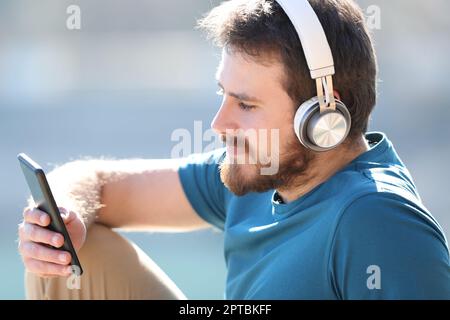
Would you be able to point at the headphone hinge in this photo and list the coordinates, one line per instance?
(325, 93)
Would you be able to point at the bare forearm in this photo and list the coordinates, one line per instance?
(77, 186)
(98, 190)
(133, 193)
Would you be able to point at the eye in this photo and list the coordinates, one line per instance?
(246, 107)
(219, 92)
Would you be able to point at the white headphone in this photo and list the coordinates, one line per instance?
(323, 122)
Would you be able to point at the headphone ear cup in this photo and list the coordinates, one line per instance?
(304, 112)
(321, 131)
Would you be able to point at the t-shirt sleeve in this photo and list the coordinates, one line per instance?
(387, 248)
(200, 178)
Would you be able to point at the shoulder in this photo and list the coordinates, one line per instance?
(374, 195)
(202, 170)
(397, 237)
(386, 213)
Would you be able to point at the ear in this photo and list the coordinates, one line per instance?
(337, 95)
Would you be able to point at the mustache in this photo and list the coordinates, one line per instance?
(236, 141)
(233, 140)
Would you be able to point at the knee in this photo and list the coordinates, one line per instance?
(114, 268)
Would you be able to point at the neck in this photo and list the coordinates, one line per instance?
(324, 166)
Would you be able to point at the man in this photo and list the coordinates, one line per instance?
(346, 223)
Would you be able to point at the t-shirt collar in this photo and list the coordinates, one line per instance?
(379, 145)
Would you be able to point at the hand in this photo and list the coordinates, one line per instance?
(34, 236)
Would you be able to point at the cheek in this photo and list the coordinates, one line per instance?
(273, 141)
(282, 142)
(282, 134)
(274, 130)
(250, 120)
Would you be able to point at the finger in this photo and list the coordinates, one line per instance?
(46, 268)
(69, 216)
(36, 216)
(39, 252)
(63, 211)
(36, 233)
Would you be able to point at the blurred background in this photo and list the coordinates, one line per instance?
(137, 70)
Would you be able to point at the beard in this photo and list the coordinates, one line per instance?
(294, 165)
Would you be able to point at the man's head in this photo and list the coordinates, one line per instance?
(264, 78)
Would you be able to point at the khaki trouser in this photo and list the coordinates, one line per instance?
(114, 268)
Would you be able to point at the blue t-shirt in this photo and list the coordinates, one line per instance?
(362, 234)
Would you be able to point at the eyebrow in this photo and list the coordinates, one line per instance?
(240, 96)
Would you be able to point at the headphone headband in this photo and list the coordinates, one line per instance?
(321, 123)
(312, 37)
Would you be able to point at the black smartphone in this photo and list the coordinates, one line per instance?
(44, 200)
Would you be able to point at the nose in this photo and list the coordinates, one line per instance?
(224, 119)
